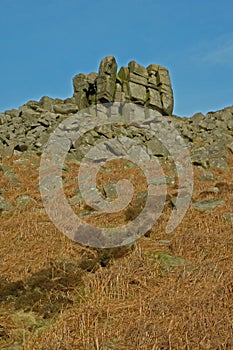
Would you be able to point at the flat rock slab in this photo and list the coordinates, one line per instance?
(208, 204)
(168, 262)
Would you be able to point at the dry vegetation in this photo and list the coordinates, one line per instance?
(56, 294)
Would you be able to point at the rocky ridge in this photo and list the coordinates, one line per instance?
(209, 137)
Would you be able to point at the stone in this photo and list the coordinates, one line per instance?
(13, 113)
(208, 204)
(123, 75)
(28, 114)
(76, 200)
(206, 175)
(35, 105)
(196, 118)
(91, 95)
(169, 262)
(110, 190)
(66, 108)
(218, 156)
(4, 204)
(154, 99)
(156, 148)
(165, 89)
(119, 94)
(218, 163)
(200, 156)
(105, 89)
(47, 103)
(145, 86)
(81, 87)
(167, 103)
(137, 69)
(137, 79)
(24, 200)
(105, 83)
(80, 83)
(137, 74)
(8, 172)
(158, 181)
(152, 70)
(137, 93)
(228, 217)
(137, 82)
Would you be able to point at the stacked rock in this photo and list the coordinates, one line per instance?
(150, 87)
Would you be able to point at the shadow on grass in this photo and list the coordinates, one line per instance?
(45, 292)
(48, 291)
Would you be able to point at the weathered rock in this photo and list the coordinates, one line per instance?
(47, 103)
(120, 95)
(76, 200)
(228, 217)
(24, 200)
(4, 205)
(13, 113)
(137, 69)
(154, 99)
(124, 76)
(137, 74)
(208, 204)
(8, 172)
(66, 108)
(200, 157)
(218, 163)
(81, 87)
(149, 86)
(152, 70)
(169, 262)
(110, 190)
(106, 80)
(137, 93)
(165, 89)
(156, 148)
(218, 156)
(206, 175)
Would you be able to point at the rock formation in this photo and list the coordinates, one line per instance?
(149, 86)
(209, 137)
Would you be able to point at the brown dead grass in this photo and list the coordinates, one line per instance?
(57, 294)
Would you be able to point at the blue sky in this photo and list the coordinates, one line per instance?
(44, 43)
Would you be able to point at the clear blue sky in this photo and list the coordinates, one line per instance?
(44, 43)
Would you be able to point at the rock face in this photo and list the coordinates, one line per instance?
(149, 86)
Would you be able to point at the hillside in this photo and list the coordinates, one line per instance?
(143, 287)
